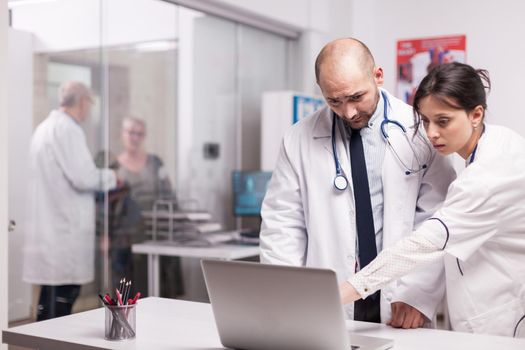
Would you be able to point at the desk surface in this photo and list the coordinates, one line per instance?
(174, 324)
(220, 251)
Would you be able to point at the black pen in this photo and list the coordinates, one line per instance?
(127, 292)
(102, 298)
(121, 285)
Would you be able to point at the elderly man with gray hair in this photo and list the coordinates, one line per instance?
(60, 237)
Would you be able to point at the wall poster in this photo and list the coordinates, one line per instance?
(416, 57)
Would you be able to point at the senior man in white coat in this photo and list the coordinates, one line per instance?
(338, 209)
(60, 239)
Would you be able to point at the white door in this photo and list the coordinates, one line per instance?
(3, 167)
(20, 126)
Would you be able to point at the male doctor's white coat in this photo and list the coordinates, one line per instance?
(307, 222)
(60, 237)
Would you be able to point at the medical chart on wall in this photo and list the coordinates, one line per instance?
(416, 57)
(304, 106)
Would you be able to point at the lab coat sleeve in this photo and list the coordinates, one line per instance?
(407, 255)
(76, 162)
(433, 188)
(424, 289)
(283, 236)
(470, 214)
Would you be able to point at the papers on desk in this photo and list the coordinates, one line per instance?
(185, 228)
(179, 225)
(202, 240)
(201, 227)
(211, 239)
(178, 215)
(208, 227)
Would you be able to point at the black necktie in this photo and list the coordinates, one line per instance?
(369, 308)
(363, 206)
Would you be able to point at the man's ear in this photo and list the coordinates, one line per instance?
(378, 76)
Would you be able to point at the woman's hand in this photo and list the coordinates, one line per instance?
(348, 293)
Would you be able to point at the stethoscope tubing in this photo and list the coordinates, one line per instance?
(340, 180)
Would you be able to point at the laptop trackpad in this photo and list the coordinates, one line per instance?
(364, 342)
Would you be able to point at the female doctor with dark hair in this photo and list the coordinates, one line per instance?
(480, 229)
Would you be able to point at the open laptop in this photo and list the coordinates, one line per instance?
(263, 307)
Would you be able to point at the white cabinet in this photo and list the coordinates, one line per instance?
(281, 109)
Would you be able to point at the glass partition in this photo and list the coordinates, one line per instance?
(175, 110)
(53, 250)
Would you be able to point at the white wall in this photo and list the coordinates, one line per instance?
(325, 16)
(494, 30)
(320, 21)
(3, 168)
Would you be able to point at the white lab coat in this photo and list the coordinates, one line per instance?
(60, 237)
(485, 215)
(307, 222)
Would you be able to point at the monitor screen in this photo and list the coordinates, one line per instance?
(249, 188)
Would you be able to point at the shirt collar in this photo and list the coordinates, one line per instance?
(378, 113)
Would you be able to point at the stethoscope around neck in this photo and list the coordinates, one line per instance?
(340, 180)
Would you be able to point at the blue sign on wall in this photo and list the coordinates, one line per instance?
(303, 106)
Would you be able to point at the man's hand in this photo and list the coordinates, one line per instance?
(405, 316)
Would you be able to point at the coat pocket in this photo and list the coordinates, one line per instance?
(503, 320)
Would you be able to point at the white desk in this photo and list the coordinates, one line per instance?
(154, 249)
(164, 324)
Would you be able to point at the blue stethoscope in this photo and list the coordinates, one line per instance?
(340, 180)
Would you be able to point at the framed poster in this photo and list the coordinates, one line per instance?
(416, 57)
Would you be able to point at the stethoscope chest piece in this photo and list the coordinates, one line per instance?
(340, 182)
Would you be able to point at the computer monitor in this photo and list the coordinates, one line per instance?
(249, 188)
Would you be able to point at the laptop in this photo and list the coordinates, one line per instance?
(263, 307)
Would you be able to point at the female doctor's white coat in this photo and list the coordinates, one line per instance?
(480, 231)
(485, 216)
(60, 237)
(307, 222)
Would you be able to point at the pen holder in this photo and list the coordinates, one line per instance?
(120, 322)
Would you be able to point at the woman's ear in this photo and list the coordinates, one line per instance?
(476, 116)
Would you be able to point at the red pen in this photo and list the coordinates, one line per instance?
(108, 299)
(119, 297)
(137, 296)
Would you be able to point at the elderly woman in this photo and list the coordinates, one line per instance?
(148, 181)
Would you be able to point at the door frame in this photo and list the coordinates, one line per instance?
(3, 168)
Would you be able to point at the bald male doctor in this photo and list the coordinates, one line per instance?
(340, 192)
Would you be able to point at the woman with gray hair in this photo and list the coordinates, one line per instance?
(148, 181)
